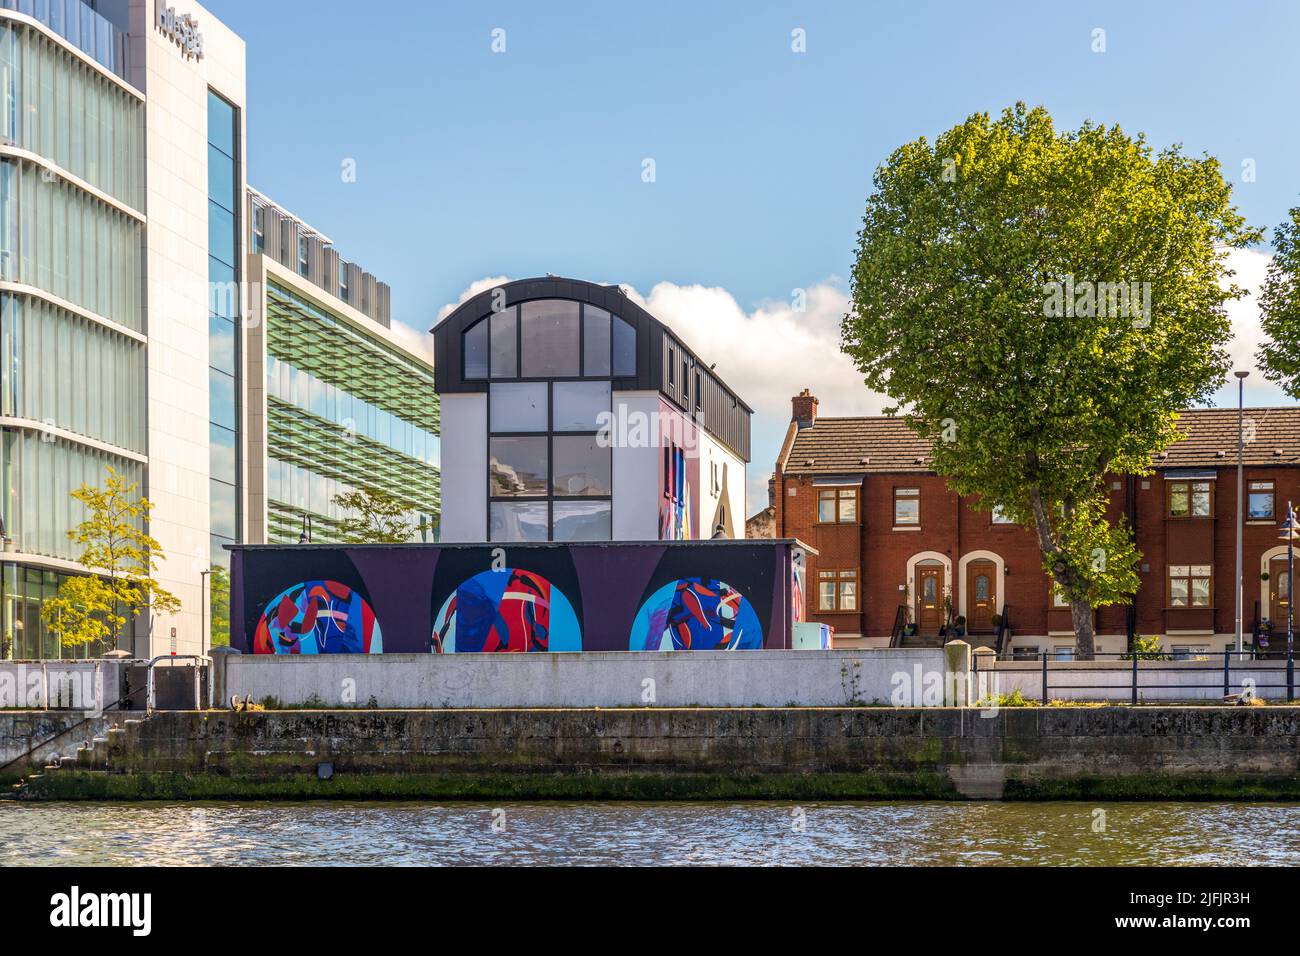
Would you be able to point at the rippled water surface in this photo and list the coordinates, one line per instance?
(650, 833)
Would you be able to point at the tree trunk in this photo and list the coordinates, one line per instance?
(1080, 610)
(1081, 618)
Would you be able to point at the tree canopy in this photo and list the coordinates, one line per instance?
(1279, 303)
(1041, 304)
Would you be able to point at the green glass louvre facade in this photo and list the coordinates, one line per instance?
(344, 412)
(72, 352)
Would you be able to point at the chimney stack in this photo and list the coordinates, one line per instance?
(805, 408)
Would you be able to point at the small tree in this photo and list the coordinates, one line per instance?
(1279, 304)
(378, 518)
(219, 601)
(121, 561)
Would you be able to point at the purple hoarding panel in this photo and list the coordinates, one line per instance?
(370, 599)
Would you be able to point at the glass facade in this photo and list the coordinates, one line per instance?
(100, 390)
(345, 412)
(54, 104)
(542, 441)
(68, 372)
(223, 327)
(67, 242)
(80, 25)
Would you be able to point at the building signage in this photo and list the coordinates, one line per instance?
(181, 29)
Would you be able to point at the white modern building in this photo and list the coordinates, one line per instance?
(572, 414)
(127, 293)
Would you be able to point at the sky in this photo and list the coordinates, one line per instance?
(447, 146)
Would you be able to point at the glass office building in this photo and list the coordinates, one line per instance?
(349, 404)
(72, 330)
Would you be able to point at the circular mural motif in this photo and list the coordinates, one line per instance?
(506, 610)
(318, 617)
(696, 614)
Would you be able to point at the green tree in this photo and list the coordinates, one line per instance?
(1041, 305)
(1279, 304)
(219, 602)
(121, 559)
(377, 518)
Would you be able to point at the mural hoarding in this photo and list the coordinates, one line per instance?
(552, 597)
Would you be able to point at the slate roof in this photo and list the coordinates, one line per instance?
(882, 444)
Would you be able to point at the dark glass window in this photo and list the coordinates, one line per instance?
(582, 466)
(582, 521)
(474, 350)
(517, 521)
(518, 466)
(221, 344)
(624, 348)
(505, 345)
(595, 342)
(549, 330)
(577, 405)
(221, 453)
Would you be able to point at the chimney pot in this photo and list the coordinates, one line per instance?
(804, 408)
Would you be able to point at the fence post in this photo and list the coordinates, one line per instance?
(1290, 676)
(1135, 676)
(1044, 678)
(1227, 656)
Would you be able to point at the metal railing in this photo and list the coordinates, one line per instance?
(1140, 664)
(199, 661)
(900, 622)
(1000, 635)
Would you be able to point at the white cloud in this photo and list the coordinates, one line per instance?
(769, 353)
(1250, 266)
(474, 288)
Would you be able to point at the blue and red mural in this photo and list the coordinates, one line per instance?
(506, 610)
(552, 596)
(318, 617)
(696, 614)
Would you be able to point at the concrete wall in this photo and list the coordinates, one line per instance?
(944, 752)
(30, 738)
(60, 685)
(768, 678)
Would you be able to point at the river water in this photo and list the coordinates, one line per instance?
(904, 833)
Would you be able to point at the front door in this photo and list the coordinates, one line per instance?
(981, 596)
(1278, 594)
(929, 599)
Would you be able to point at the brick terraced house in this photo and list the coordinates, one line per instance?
(890, 535)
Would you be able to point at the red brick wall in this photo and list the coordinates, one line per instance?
(953, 528)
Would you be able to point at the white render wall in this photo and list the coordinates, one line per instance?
(767, 678)
(714, 456)
(464, 466)
(176, 118)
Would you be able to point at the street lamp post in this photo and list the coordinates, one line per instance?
(204, 640)
(1290, 533)
(1241, 518)
(304, 536)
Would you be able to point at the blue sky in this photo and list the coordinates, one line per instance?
(473, 164)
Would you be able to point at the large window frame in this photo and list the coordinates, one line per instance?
(910, 493)
(609, 371)
(550, 499)
(1190, 587)
(841, 502)
(837, 590)
(1181, 501)
(1261, 489)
